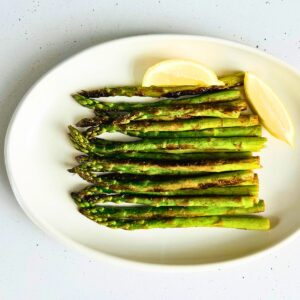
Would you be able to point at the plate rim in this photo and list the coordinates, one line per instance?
(110, 258)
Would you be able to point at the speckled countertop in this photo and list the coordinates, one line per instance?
(35, 36)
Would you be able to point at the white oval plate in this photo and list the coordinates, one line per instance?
(38, 154)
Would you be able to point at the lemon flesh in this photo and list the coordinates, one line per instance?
(269, 108)
(174, 72)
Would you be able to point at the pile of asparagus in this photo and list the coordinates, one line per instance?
(191, 167)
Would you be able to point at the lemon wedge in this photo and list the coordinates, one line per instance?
(269, 108)
(180, 72)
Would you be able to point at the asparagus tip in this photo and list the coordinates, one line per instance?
(79, 141)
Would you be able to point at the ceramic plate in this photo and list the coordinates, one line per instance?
(38, 154)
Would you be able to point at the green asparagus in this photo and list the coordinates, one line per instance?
(101, 106)
(95, 121)
(235, 79)
(200, 140)
(241, 190)
(170, 126)
(230, 109)
(184, 145)
(167, 168)
(238, 222)
(169, 184)
(165, 91)
(212, 201)
(211, 132)
(144, 212)
(141, 156)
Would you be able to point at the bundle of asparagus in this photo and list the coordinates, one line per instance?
(193, 166)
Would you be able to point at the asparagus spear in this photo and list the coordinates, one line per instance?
(161, 184)
(129, 106)
(211, 132)
(230, 109)
(95, 121)
(166, 156)
(151, 91)
(167, 168)
(242, 190)
(238, 222)
(211, 201)
(184, 145)
(235, 79)
(165, 91)
(144, 212)
(176, 125)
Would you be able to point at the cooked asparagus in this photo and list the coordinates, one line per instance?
(170, 126)
(141, 156)
(144, 212)
(238, 222)
(165, 91)
(235, 79)
(184, 145)
(231, 109)
(243, 190)
(101, 106)
(167, 168)
(95, 121)
(169, 184)
(201, 141)
(212, 201)
(211, 132)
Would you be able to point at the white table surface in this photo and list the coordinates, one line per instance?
(35, 36)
